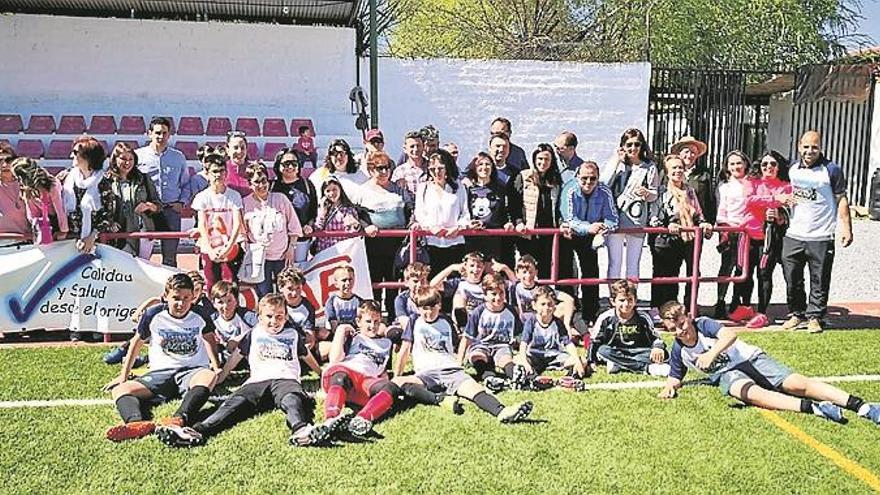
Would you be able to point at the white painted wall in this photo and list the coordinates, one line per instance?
(541, 99)
(874, 157)
(76, 65)
(779, 124)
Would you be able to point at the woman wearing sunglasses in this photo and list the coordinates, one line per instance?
(299, 191)
(272, 227)
(633, 181)
(766, 222)
(340, 163)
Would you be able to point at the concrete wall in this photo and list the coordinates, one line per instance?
(779, 124)
(79, 65)
(461, 98)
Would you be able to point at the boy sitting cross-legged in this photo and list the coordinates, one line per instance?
(181, 350)
(545, 342)
(429, 339)
(273, 350)
(745, 372)
(625, 338)
(491, 328)
(356, 372)
(522, 293)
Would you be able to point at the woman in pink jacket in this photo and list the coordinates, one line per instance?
(732, 192)
(765, 216)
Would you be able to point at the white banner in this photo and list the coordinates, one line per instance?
(56, 287)
(319, 273)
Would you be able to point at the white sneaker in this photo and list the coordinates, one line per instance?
(612, 367)
(658, 369)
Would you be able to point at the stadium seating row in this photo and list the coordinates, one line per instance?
(136, 125)
(59, 149)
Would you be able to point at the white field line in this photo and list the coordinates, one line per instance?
(19, 404)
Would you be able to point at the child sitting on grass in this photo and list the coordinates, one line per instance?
(415, 276)
(469, 291)
(181, 350)
(429, 339)
(273, 350)
(300, 311)
(745, 372)
(356, 372)
(523, 290)
(341, 308)
(625, 338)
(231, 320)
(545, 342)
(491, 328)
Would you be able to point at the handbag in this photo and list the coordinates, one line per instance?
(252, 265)
(401, 259)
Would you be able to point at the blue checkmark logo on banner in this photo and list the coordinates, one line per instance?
(22, 313)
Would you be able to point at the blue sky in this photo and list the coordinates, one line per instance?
(871, 23)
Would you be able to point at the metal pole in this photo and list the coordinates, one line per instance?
(374, 68)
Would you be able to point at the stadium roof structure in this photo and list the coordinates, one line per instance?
(328, 12)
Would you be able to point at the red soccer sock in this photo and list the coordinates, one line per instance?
(378, 405)
(334, 402)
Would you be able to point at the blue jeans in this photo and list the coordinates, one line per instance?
(271, 268)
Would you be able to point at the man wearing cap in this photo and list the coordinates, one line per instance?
(698, 176)
(817, 201)
(517, 156)
(566, 149)
(374, 141)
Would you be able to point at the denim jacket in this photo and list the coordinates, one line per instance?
(580, 211)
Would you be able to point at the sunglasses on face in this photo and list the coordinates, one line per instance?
(338, 151)
(769, 164)
(381, 169)
(289, 164)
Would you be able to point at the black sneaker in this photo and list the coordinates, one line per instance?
(179, 436)
(495, 384)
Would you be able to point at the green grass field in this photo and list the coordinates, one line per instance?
(623, 441)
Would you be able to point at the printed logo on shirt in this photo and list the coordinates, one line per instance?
(376, 357)
(718, 364)
(276, 349)
(179, 342)
(434, 340)
(627, 333)
(804, 193)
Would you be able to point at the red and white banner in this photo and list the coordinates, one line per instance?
(319, 272)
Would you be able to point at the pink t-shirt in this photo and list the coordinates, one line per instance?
(236, 179)
(732, 202)
(13, 217)
(760, 198)
(270, 223)
(306, 144)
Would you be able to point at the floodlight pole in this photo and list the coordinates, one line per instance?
(374, 68)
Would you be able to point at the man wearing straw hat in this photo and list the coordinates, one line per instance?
(689, 149)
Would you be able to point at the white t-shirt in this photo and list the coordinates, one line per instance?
(683, 358)
(367, 356)
(175, 343)
(432, 347)
(242, 321)
(273, 356)
(219, 209)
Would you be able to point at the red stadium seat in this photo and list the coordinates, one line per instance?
(270, 149)
(189, 149)
(218, 126)
(274, 127)
(31, 148)
(59, 149)
(72, 124)
(132, 124)
(253, 151)
(11, 124)
(102, 124)
(55, 170)
(249, 125)
(41, 124)
(295, 124)
(191, 126)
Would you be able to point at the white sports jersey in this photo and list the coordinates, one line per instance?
(302, 317)
(367, 356)
(432, 347)
(707, 335)
(175, 342)
(273, 356)
(242, 321)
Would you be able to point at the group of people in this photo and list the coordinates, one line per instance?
(253, 220)
(473, 320)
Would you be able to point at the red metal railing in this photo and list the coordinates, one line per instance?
(695, 279)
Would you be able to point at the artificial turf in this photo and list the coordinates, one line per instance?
(592, 442)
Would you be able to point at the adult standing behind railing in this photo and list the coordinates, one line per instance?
(487, 204)
(733, 186)
(41, 198)
(534, 203)
(272, 228)
(136, 200)
(340, 164)
(697, 175)
(13, 214)
(676, 206)
(236, 165)
(299, 191)
(766, 222)
(633, 180)
(89, 202)
(389, 206)
(441, 208)
(167, 168)
(588, 213)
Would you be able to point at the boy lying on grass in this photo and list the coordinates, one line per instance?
(745, 372)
